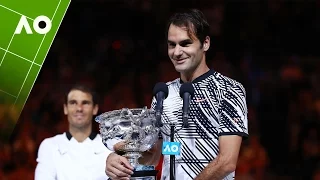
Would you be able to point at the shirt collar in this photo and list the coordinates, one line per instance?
(201, 77)
(91, 136)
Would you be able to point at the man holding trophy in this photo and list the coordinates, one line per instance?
(207, 109)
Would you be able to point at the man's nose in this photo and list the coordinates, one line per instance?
(79, 107)
(177, 51)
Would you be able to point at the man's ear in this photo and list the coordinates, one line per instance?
(65, 110)
(95, 109)
(206, 43)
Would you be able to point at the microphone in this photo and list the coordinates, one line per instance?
(160, 91)
(186, 93)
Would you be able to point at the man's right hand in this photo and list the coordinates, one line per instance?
(118, 167)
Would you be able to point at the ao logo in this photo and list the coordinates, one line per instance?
(171, 148)
(41, 25)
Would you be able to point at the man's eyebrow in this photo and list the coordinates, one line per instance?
(83, 101)
(186, 41)
(86, 101)
(72, 101)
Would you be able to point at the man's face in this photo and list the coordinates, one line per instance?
(185, 52)
(80, 109)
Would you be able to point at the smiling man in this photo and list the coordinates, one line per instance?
(218, 111)
(78, 153)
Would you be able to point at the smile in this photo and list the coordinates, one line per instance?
(180, 61)
(79, 115)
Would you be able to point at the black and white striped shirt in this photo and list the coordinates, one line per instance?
(218, 108)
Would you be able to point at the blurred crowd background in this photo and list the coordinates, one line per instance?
(119, 48)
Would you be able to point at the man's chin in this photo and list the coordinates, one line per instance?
(180, 69)
(80, 125)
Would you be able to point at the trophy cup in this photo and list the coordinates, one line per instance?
(136, 129)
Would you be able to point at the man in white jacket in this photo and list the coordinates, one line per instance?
(79, 153)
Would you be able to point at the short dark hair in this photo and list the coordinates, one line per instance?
(194, 20)
(83, 88)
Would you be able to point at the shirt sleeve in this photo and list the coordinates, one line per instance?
(234, 112)
(45, 168)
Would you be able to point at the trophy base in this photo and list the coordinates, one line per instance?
(144, 175)
(144, 172)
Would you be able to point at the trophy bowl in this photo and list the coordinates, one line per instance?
(133, 128)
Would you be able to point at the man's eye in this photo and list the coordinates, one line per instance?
(185, 44)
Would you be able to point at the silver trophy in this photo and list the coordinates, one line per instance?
(135, 128)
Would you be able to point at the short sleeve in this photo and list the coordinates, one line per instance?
(45, 168)
(234, 112)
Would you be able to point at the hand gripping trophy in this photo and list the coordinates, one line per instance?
(136, 129)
